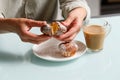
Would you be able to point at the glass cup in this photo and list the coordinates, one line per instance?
(95, 32)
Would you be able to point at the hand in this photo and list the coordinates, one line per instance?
(73, 23)
(22, 27)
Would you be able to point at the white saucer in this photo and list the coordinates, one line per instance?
(49, 51)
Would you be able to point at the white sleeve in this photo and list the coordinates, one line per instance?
(1, 8)
(68, 5)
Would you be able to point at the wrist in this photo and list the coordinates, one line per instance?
(6, 25)
(81, 12)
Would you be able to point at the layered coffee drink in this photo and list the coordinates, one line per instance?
(94, 37)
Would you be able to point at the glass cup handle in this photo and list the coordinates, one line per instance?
(108, 29)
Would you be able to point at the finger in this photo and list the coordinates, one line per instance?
(30, 41)
(25, 33)
(41, 39)
(37, 37)
(70, 38)
(67, 39)
(34, 23)
(75, 28)
(68, 21)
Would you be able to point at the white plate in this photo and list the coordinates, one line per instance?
(49, 51)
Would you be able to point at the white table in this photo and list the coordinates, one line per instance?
(17, 61)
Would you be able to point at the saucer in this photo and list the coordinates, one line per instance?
(49, 51)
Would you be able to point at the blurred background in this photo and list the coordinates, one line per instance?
(104, 7)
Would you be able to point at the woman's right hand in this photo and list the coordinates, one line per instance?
(22, 27)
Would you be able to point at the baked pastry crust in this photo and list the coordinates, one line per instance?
(68, 49)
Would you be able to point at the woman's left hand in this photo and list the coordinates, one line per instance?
(73, 23)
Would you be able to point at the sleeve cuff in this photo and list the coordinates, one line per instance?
(71, 5)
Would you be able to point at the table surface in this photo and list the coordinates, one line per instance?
(17, 61)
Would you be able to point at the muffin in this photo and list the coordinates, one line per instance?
(54, 29)
(68, 49)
